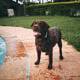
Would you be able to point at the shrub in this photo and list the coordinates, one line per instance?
(57, 8)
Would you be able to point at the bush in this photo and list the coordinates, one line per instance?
(57, 8)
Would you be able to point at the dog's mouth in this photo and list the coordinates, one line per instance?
(36, 33)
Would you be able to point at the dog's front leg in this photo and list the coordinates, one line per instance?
(50, 59)
(38, 56)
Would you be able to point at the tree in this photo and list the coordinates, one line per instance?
(17, 1)
(4, 5)
(39, 1)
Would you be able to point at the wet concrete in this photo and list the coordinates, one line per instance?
(21, 55)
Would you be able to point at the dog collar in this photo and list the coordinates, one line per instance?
(46, 35)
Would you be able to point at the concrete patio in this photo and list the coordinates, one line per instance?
(21, 55)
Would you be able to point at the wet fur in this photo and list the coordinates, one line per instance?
(46, 41)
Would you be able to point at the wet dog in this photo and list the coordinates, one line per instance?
(45, 39)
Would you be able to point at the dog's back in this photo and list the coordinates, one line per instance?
(55, 35)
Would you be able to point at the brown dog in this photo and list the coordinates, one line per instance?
(45, 40)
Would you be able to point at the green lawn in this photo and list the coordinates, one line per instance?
(70, 26)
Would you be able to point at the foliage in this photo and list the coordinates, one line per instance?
(30, 3)
(57, 8)
(4, 4)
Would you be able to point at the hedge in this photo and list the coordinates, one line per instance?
(56, 8)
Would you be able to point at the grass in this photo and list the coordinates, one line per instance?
(70, 26)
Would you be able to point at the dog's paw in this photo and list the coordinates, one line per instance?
(37, 62)
(61, 57)
(49, 66)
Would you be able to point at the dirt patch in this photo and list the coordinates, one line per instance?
(20, 49)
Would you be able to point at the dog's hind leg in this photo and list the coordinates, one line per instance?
(50, 59)
(60, 49)
(38, 56)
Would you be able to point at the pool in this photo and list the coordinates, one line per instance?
(3, 49)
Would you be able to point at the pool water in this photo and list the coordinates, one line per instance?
(2, 49)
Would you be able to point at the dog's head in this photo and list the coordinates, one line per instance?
(40, 28)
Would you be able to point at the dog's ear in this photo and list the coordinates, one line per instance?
(33, 23)
(44, 24)
(44, 28)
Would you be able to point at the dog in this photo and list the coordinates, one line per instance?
(45, 39)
